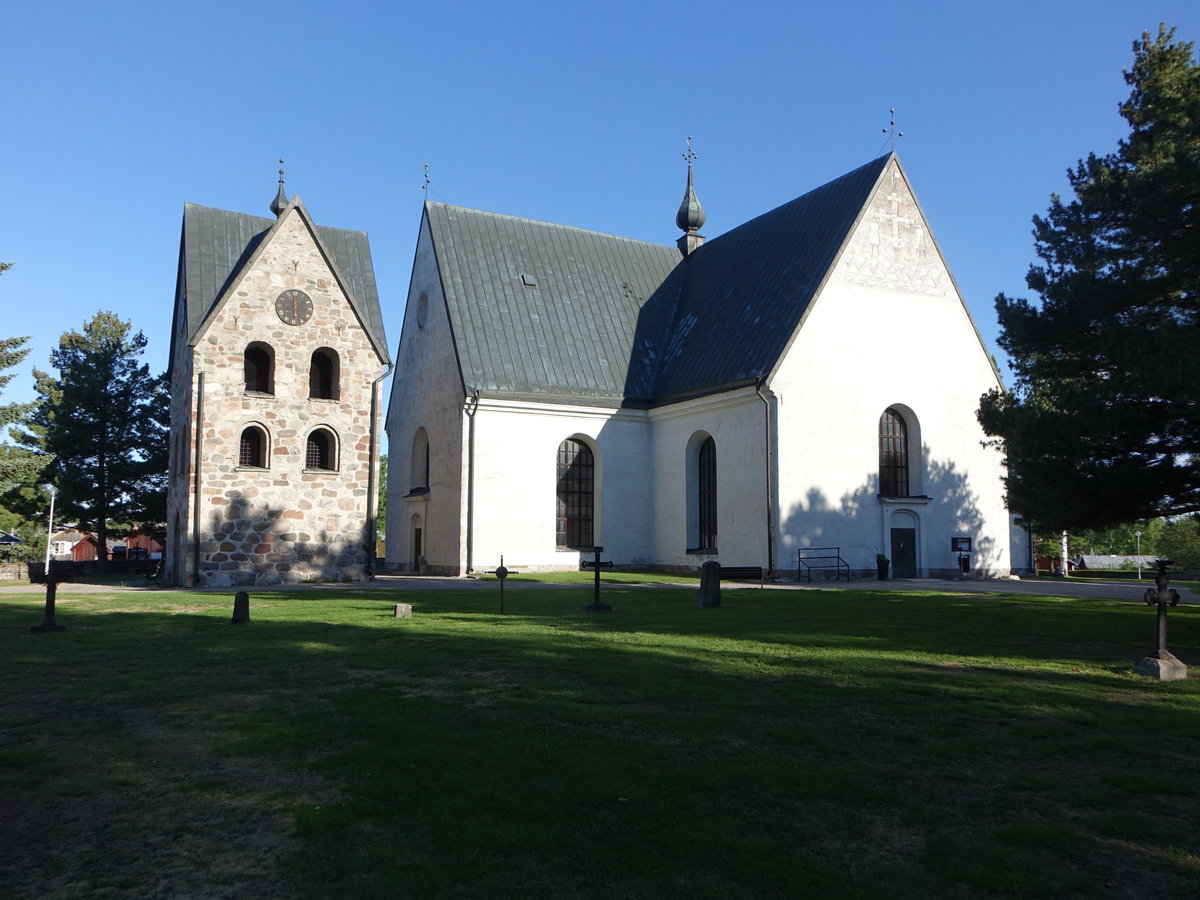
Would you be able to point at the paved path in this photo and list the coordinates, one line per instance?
(1056, 587)
(400, 584)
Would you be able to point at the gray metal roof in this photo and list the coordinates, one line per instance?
(217, 244)
(549, 311)
(611, 320)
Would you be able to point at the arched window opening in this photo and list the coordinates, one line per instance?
(893, 455)
(260, 369)
(252, 448)
(320, 451)
(323, 375)
(576, 506)
(419, 465)
(707, 488)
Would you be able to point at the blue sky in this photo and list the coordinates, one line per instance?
(116, 114)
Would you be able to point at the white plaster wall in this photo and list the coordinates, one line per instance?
(516, 449)
(427, 392)
(736, 422)
(888, 329)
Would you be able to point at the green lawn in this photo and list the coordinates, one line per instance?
(807, 743)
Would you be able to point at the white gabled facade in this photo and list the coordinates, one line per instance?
(888, 329)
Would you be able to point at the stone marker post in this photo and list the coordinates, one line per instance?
(241, 608)
(710, 584)
(49, 624)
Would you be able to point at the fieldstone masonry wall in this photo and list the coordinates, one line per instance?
(283, 522)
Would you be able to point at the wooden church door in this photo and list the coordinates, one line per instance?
(904, 553)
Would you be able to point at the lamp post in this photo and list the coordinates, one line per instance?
(53, 491)
(49, 624)
(1138, 535)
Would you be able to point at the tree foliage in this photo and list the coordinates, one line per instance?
(1102, 424)
(19, 467)
(104, 420)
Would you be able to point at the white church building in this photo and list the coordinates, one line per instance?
(805, 384)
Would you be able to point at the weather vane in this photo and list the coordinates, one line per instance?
(892, 132)
(691, 154)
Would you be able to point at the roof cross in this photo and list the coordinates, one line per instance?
(691, 154)
(891, 131)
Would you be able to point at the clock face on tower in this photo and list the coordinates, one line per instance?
(294, 307)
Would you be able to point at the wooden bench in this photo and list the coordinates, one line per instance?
(742, 573)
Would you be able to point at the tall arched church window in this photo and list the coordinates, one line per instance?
(321, 451)
(323, 375)
(420, 461)
(576, 504)
(260, 368)
(707, 487)
(252, 448)
(893, 455)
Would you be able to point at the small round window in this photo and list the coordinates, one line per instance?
(422, 309)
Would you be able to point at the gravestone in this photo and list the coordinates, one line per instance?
(1162, 663)
(597, 604)
(710, 584)
(403, 610)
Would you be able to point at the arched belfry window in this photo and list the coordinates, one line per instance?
(893, 455)
(576, 498)
(321, 451)
(323, 375)
(707, 494)
(252, 448)
(260, 368)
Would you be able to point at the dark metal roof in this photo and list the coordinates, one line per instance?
(571, 334)
(746, 290)
(611, 320)
(217, 244)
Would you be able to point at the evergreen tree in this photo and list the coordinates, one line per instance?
(104, 421)
(19, 468)
(1103, 423)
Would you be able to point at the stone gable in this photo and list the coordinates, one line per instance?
(282, 519)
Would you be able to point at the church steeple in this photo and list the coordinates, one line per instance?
(279, 204)
(690, 217)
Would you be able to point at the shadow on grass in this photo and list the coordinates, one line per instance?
(782, 744)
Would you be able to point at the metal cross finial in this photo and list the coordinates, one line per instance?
(425, 186)
(892, 130)
(691, 154)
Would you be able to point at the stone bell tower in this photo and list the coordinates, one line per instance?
(277, 352)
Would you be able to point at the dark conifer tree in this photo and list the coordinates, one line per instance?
(103, 420)
(1102, 424)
